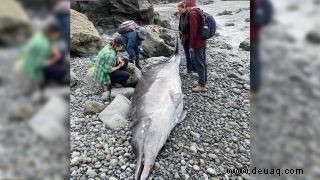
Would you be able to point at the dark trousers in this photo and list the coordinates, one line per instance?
(191, 66)
(137, 54)
(201, 65)
(255, 66)
(121, 75)
(55, 72)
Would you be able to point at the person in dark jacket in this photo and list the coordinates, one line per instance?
(260, 15)
(184, 32)
(197, 46)
(133, 40)
(62, 14)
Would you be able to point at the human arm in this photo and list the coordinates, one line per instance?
(56, 56)
(132, 40)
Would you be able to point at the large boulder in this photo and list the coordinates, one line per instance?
(84, 38)
(51, 121)
(92, 107)
(127, 92)
(116, 115)
(135, 75)
(314, 35)
(112, 12)
(15, 26)
(159, 42)
(61, 91)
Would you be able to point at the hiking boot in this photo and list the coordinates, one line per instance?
(139, 67)
(195, 74)
(106, 87)
(199, 88)
(137, 64)
(117, 85)
(254, 96)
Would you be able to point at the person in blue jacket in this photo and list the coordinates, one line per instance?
(133, 40)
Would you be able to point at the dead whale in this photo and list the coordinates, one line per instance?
(157, 107)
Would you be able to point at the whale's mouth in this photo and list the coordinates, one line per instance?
(144, 172)
(140, 170)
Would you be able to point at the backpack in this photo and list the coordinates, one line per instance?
(127, 26)
(208, 25)
(263, 13)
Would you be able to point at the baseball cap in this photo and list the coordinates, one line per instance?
(142, 31)
(118, 40)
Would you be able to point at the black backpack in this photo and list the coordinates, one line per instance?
(208, 25)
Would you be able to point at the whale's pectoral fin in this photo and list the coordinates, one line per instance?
(183, 116)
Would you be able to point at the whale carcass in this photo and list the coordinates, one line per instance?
(157, 107)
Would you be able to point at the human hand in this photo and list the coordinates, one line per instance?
(191, 50)
(120, 64)
(47, 63)
(120, 60)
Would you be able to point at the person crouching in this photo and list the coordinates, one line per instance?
(110, 70)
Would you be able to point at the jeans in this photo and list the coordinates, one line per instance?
(121, 75)
(255, 66)
(191, 66)
(64, 24)
(136, 50)
(55, 72)
(201, 65)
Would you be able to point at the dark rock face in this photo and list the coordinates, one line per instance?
(15, 25)
(84, 38)
(110, 13)
(164, 1)
(34, 4)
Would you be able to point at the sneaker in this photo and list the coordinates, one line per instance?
(139, 67)
(199, 89)
(106, 87)
(195, 74)
(117, 85)
(195, 83)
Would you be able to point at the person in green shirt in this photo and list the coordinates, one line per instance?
(41, 55)
(110, 70)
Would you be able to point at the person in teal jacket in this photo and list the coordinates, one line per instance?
(132, 41)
